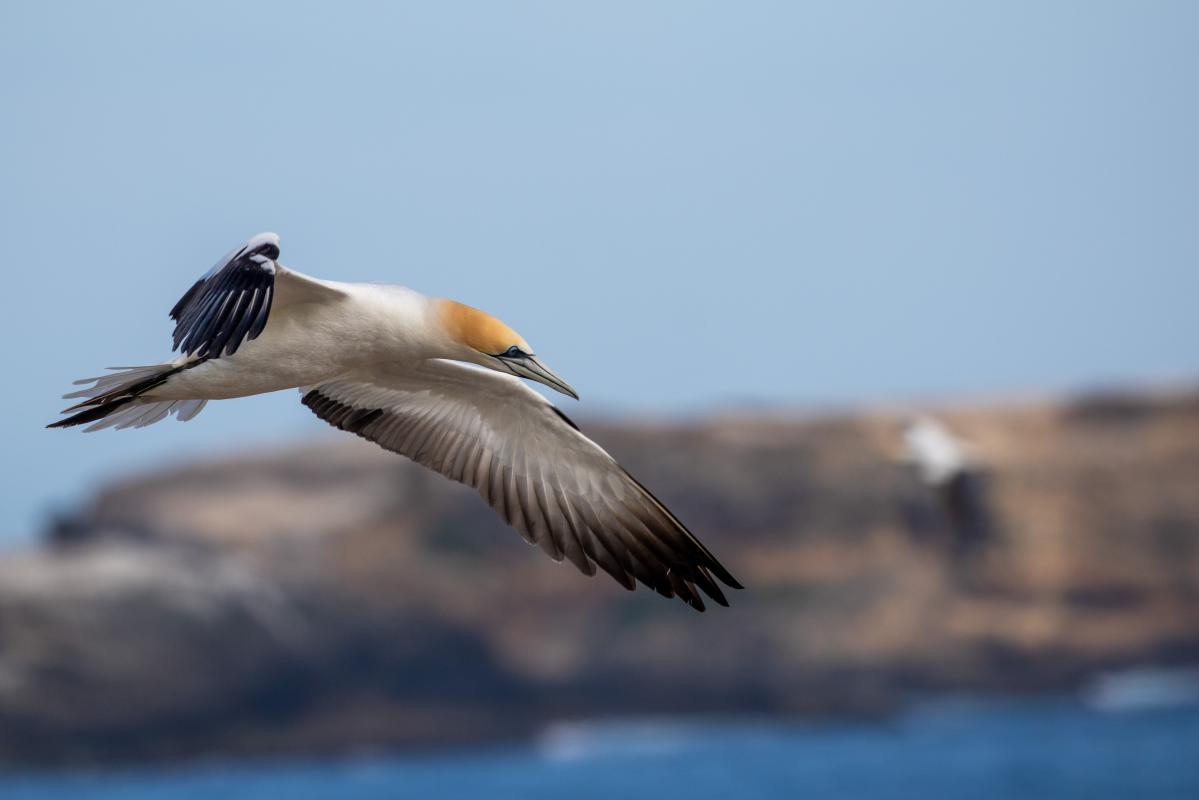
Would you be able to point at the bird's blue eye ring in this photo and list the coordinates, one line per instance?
(514, 352)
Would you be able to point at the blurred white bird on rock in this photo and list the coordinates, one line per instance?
(432, 379)
(934, 451)
(952, 470)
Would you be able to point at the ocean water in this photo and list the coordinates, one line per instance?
(1058, 750)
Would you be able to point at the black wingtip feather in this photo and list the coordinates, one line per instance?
(177, 310)
(263, 312)
(707, 558)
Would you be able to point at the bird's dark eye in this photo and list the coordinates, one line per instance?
(514, 352)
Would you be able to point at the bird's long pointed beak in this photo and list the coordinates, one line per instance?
(532, 368)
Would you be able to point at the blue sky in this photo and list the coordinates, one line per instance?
(684, 206)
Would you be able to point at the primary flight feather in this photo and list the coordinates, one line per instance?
(403, 370)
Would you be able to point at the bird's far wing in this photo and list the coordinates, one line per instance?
(232, 302)
(559, 489)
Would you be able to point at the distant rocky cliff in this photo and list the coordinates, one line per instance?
(335, 596)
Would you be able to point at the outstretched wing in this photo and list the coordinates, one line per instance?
(232, 302)
(559, 489)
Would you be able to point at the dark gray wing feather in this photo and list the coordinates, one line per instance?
(231, 303)
(559, 489)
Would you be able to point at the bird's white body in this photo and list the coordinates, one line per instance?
(391, 365)
(309, 342)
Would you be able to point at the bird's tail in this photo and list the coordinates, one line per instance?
(116, 400)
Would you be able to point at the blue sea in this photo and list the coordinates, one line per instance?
(1058, 750)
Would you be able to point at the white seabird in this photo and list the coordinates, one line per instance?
(402, 370)
(949, 468)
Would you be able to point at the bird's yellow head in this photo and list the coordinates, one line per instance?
(495, 345)
(478, 329)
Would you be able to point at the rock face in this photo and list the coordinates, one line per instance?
(336, 596)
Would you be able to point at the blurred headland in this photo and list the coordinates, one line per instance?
(334, 596)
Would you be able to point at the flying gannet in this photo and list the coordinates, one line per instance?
(402, 370)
